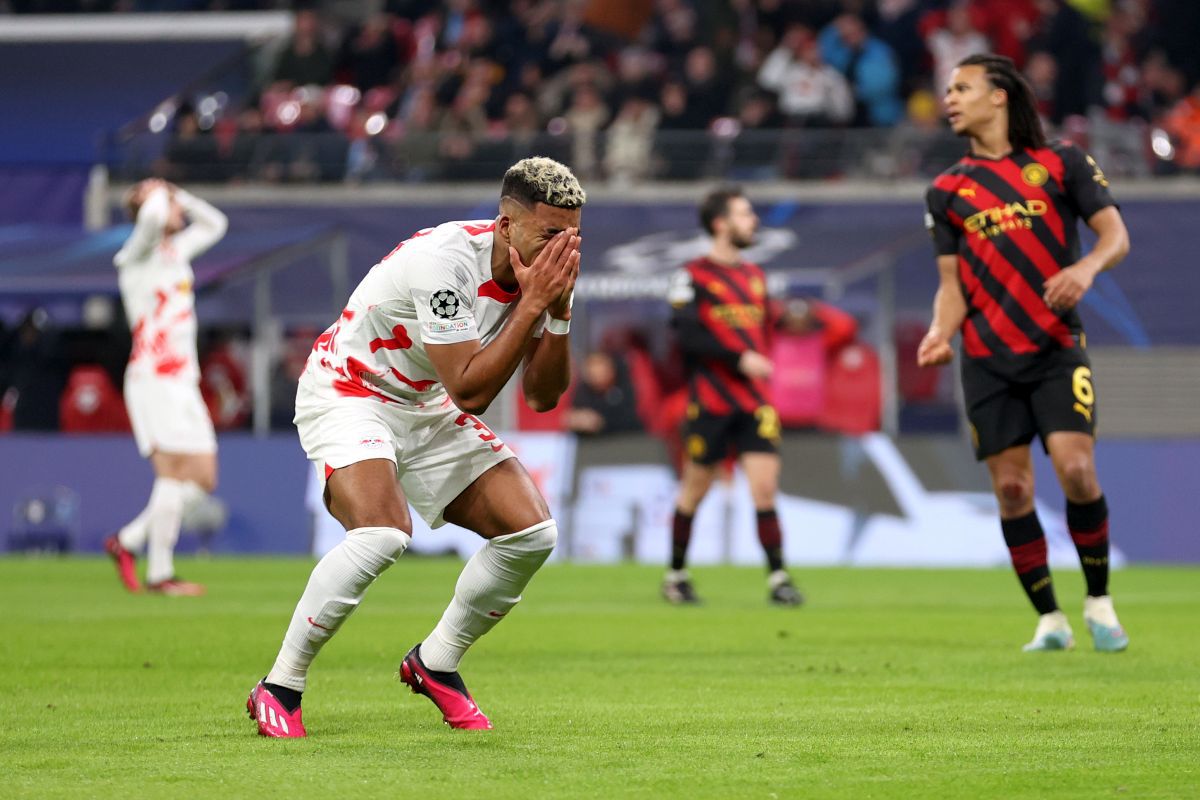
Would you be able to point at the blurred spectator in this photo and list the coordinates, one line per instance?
(627, 156)
(1041, 70)
(708, 91)
(869, 66)
(952, 42)
(585, 118)
(304, 60)
(897, 26)
(811, 93)
(1182, 123)
(1064, 32)
(1122, 76)
(36, 373)
(369, 54)
(192, 153)
(604, 400)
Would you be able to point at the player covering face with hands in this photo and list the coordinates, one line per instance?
(386, 412)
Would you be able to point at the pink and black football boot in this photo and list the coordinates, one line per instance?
(446, 690)
(125, 562)
(272, 718)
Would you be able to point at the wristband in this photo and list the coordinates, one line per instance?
(559, 327)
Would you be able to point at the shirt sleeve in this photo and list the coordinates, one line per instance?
(147, 228)
(206, 225)
(937, 222)
(695, 339)
(444, 300)
(1084, 182)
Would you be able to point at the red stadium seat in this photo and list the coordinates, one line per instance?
(853, 399)
(90, 403)
(916, 383)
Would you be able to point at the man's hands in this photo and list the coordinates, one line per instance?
(934, 350)
(1064, 290)
(548, 282)
(753, 364)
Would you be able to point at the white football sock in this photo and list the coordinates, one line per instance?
(164, 514)
(334, 590)
(192, 496)
(133, 536)
(489, 586)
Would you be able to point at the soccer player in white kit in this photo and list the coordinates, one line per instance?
(162, 380)
(386, 412)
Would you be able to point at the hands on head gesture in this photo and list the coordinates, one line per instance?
(549, 280)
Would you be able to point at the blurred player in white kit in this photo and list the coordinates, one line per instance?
(385, 410)
(162, 381)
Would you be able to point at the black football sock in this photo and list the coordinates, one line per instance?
(771, 538)
(1027, 548)
(288, 698)
(681, 535)
(1088, 523)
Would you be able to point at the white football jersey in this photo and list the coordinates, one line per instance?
(435, 288)
(155, 276)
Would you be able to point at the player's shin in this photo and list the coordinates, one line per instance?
(1088, 523)
(334, 590)
(1027, 547)
(489, 586)
(163, 518)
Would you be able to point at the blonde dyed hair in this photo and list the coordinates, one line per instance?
(543, 180)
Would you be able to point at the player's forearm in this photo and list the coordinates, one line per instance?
(949, 311)
(486, 373)
(548, 372)
(1110, 249)
(206, 217)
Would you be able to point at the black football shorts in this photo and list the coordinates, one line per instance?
(709, 438)
(1005, 412)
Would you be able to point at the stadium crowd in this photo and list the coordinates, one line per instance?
(421, 89)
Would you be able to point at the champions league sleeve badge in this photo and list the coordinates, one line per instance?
(444, 304)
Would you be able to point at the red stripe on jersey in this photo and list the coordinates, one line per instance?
(495, 291)
(1010, 171)
(1012, 280)
(399, 341)
(737, 385)
(709, 398)
(476, 230)
(1000, 322)
(328, 471)
(972, 342)
(1053, 162)
(420, 386)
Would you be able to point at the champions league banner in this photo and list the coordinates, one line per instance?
(867, 501)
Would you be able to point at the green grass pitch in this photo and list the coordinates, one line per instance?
(889, 683)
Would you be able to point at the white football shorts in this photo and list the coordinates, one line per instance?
(438, 450)
(168, 416)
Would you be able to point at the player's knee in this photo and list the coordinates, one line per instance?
(536, 541)
(1079, 478)
(377, 548)
(1014, 492)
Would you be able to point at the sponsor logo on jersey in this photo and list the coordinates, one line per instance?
(372, 442)
(1003, 218)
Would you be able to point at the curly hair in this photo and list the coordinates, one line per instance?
(542, 180)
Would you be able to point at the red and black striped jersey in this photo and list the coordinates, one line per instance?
(720, 312)
(1012, 222)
